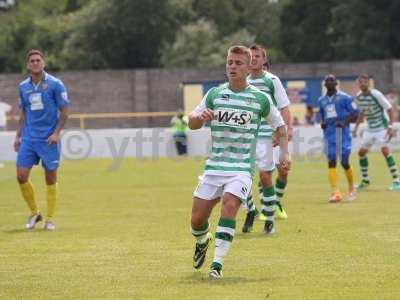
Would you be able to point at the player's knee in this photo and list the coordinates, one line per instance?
(283, 174)
(385, 151)
(345, 165)
(230, 206)
(362, 152)
(266, 179)
(196, 220)
(332, 163)
(22, 177)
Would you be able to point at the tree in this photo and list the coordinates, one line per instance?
(306, 30)
(366, 30)
(119, 34)
(198, 45)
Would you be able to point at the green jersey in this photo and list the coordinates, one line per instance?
(237, 117)
(373, 105)
(270, 84)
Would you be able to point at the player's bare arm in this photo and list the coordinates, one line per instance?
(55, 137)
(286, 116)
(17, 141)
(197, 120)
(359, 120)
(390, 130)
(284, 159)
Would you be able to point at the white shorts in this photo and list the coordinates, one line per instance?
(267, 157)
(370, 138)
(211, 187)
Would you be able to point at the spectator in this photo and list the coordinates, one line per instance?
(178, 125)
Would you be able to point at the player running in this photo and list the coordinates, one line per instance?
(380, 117)
(234, 110)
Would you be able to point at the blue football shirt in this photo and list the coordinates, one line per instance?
(40, 104)
(336, 108)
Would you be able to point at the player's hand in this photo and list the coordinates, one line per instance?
(284, 162)
(390, 133)
(53, 139)
(17, 144)
(341, 124)
(207, 115)
(323, 126)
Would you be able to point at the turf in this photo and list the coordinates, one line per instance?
(124, 234)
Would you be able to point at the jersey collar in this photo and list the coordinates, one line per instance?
(44, 77)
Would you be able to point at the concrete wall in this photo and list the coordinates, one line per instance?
(160, 89)
(157, 142)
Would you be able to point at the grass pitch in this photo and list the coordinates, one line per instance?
(124, 234)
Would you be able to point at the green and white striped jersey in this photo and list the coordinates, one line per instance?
(270, 84)
(237, 117)
(374, 105)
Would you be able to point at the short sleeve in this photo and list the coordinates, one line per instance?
(272, 114)
(321, 110)
(21, 101)
(61, 95)
(383, 101)
(280, 95)
(205, 103)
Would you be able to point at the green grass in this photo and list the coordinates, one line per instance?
(125, 235)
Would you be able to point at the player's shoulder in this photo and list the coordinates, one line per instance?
(52, 79)
(217, 90)
(255, 91)
(258, 94)
(271, 76)
(214, 92)
(24, 83)
(376, 93)
(321, 98)
(344, 95)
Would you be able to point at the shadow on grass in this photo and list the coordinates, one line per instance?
(28, 231)
(202, 278)
(19, 230)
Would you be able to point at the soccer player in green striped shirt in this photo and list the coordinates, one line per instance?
(234, 111)
(378, 112)
(266, 154)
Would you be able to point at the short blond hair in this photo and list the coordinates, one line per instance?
(259, 48)
(243, 50)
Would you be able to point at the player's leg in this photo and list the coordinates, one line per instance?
(50, 156)
(391, 163)
(266, 165)
(51, 197)
(252, 212)
(235, 191)
(366, 143)
(336, 195)
(268, 201)
(26, 159)
(331, 153)
(206, 196)
(280, 186)
(263, 147)
(345, 161)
